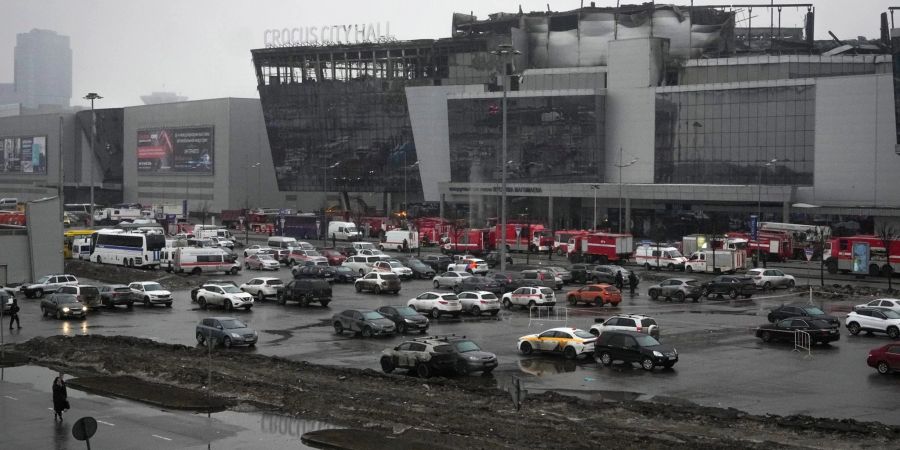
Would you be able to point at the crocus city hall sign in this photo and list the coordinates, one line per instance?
(328, 35)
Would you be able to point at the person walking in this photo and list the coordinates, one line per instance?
(620, 280)
(14, 314)
(632, 282)
(60, 397)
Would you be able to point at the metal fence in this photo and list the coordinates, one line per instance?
(538, 315)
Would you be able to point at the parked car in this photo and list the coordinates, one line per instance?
(227, 296)
(787, 311)
(419, 269)
(299, 255)
(492, 259)
(626, 322)
(150, 293)
(436, 304)
(225, 331)
(344, 274)
(312, 270)
(48, 284)
(478, 284)
(219, 282)
(595, 294)
(449, 279)
(546, 276)
(87, 295)
(263, 287)
(306, 291)
(606, 273)
(771, 278)
(334, 257)
(405, 318)
(476, 266)
(261, 262)
(470, 357)
(437, 262)
(503, 279)
(395, 267)
(361, 264)
(678, 289)
(874, 320)
(633, 347)
(561, 273)
(785, 330)
(254, 249)
(731, 285)
(888, 303)
(885, 359)
(528, 297)
(581, 273)
(372, 252)
(426, 356)
(517, 282)
(115, 295)
(378, 282)
(478, 302)
(571, 342)
(63, 306)
(363, 322)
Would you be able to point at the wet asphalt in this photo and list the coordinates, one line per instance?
(721, 363)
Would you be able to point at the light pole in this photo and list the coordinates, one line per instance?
(505, 52)
(595, 188)
(621, 166)
(92, 96)
(768, 163)
(247, 191)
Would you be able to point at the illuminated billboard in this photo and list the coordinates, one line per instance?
(161, 150)
(23, 155)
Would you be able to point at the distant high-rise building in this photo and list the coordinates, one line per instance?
(155, 98)
(43, 69)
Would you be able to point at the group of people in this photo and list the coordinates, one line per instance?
(632, 281)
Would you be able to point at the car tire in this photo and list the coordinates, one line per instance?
(647, 266)
(462, 368)
(423, 371)
(893, 332)
(436, 284)
(387, 365)
(883, 367)
(573, 300)
(324, 303)
(435, 313)
(377, 289)
(494, 312)
(606, 359)
(233, 271)
(362, 273)
(531, 304)
(358, 287)
(130, 305)
(202, 302)
(200, 339)
(791, 284)
(39, 293)
(853, 328)
(526, 348)
(679, 296)
(401, 328)
(598, 301)
(733, 294)
(647, 364)
(476, 311)
(43, 312)
(226, 342)
(688, 269)
(197, 271)
(767, 286)
(507, 304)
(259, 296)
(338, 328)
(766, 336)
(366, 332)
(59, 315)
(594, 332)
(654, 294)
(570, 353)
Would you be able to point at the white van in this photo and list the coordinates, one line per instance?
(659, 257)
(167, 257)
(343, 231)
(81, 248)
(195, 261)
(282, 242)
(7, 204)
(400, 240)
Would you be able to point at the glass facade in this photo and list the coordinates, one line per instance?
(727, 136)
(552, 139)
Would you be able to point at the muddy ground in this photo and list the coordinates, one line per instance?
(467, 413)
(123, 275)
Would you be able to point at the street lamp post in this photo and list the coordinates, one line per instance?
(595, 188)
(92, 96)
(769, 163)
(505, 52)
(621, 166)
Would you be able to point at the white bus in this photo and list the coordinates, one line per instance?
(127, 249)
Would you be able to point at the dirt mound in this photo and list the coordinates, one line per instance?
(467, 409)
(162, 395)
(123, 275)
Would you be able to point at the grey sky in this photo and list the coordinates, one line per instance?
(123, 49)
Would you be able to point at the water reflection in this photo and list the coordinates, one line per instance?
(540, 367)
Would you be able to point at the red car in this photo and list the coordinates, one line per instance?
(885, 359)
(335, 258)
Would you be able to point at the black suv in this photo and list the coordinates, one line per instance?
(420, 269)
(437, 262)
(478, 284)
(308, 271)
(438, 354)
(633, 347)
(306, 291)
(406, 318)
(732, 285)
(813, 312)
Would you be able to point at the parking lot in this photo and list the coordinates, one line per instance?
(721, 363)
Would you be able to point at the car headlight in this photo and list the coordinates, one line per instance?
(84, 308)
(657, 354)
(408, 321)
(66, 309)
(472, 358)
(235, 335)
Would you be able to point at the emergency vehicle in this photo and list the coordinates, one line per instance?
(601, 248)
(530, 237)
(862, 254)
(561, 240)
(467, 240)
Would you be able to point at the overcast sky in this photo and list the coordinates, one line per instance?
(123, 49)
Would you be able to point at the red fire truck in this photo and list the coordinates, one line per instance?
(561, 240)
(12, 218)
(522, 237)
(862, 254)
(773, 245)
(467, 240)
(601, 248)
(431, 229)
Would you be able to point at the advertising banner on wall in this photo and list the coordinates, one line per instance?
(182, 150)
(23, 155)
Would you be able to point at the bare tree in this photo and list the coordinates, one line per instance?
(887, 234)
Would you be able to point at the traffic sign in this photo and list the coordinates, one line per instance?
(84, 428)
(808, 251)
(518, 231)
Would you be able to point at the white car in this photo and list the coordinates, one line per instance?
(371, 252)
(436, 304)
(405, 273)
(874, 320)
(466, 265)
(529, 296)
(887, 303)
(150, 293)
(571, 342)
(305, 246)
(263, 287)
(261, 261)
(771, 278)
(361, 264)
(222, 242)
(477, 302)
(626, 322)
(254, 249)
(227, 296)
(449, 279)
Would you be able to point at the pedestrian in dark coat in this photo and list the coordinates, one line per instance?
(14, 314)
(60, 396)
(620, 280)
(632, 282)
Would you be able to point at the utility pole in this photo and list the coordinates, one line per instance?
(92, 96)
(506, 53)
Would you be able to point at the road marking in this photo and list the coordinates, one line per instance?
(161, 437)
(11, 398)
(106, 423)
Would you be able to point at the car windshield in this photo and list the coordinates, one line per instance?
(343, 269)
(891, 314)
(819, 323)
(813, 311)
(546, 291)
(466, 346)
(64, 299)
(313, 253)
(122, 289)
(362, 245)
(449, 297)
(489, 296)
(230, 289)
(390, 276)
(416, 264)
(89, 290)
(152, 287)
(583, 334)
(231, 324)
(395, 264)
(446, 348)
(43, 280)
(406, 311)
(274, 282)
(646, 340)
(372, 315)
(465, 274)
(265, 256)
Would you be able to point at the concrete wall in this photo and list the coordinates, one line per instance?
(249, 144)
(46, 254)
(15, 266)
(30, 187)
